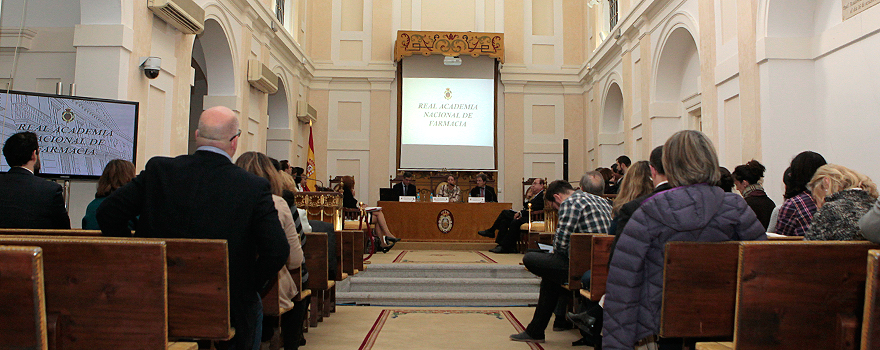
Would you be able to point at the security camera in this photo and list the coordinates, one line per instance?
(151, 66)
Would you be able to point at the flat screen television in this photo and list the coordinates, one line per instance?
(78, 136)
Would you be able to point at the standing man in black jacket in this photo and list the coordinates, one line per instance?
(204, 195)
(27, 201)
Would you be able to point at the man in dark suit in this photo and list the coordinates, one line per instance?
(508, 222)
(27, 201)
(204, 195)
(483, 190)
(405, 187)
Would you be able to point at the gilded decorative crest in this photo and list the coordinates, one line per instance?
(445, 221)
(449, 44)
(67, 115)
(448, 94)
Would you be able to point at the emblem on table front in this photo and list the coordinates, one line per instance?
(444, 221)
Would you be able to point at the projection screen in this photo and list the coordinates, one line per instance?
(447, 114)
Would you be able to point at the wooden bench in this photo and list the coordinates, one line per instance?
(22, 299)
(315, 252)
(272, 309)
(109, 293)
(600, 251)
(871, 314)
(801, 295)
(699, 290)
(579, 257)
(198, 282)
(352, 251)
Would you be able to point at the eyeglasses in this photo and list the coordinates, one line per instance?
(236, 135)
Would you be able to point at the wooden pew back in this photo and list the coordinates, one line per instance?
(110, 293)
(198, 282)
(22, 302)
(352, 251)
(699, 289)
(599, 265)
(871, 314)
(800, 295)
(315, 253)
(580, 252)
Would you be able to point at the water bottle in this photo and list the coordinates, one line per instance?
(418, 197)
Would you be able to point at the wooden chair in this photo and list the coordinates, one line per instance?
(871, 313)
(801, 295)
(22, 299)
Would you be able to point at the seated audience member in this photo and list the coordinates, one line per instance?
(746, 178)
(116, 174)
(616, 176)
(695, 210)
(725, 179)
(796, 212)
(204, 195)
(578, 212)
(483, 190)
(590, 321)
(508, 221)
(774, 215)
(869, 224)
(297, 174)
(27, 201)
(405, 187)
(636, 182)
(291, 325)
(607, 175)
(842, 196)
(285, 166)
(450, 190)
(386, 239)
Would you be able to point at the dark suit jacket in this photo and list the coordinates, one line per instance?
(537, 204)
(490, 193)
(627, 211)
(410, 189)
(204, 195)
(27, 201)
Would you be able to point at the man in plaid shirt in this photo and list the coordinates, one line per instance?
(579, 212)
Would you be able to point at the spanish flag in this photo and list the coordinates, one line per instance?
(310, 165)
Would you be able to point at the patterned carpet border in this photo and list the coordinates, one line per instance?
(402, 254)
(384, 315)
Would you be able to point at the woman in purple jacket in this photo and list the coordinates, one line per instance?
(694, 210)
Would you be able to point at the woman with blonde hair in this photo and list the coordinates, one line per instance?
(259, 164)
(636, 183)
(694, 210)
(843, 196)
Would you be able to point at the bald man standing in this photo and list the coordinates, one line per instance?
(204, 195)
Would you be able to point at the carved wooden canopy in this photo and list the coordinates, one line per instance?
(449, 44)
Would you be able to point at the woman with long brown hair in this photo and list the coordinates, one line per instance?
(259, 164)
(116, 174)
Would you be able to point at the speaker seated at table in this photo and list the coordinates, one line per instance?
(449, 189)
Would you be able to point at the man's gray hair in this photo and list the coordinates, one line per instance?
(593, 182)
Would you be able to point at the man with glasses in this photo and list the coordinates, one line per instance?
(578, 212)
(204, 195)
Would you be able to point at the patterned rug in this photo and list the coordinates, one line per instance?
(418, 329)
(442, 257)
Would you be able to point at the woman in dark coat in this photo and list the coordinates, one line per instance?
(694, 210)
(746, 178)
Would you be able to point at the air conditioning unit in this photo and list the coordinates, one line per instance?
(305, 112)
(261, 77)
(185, 15)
